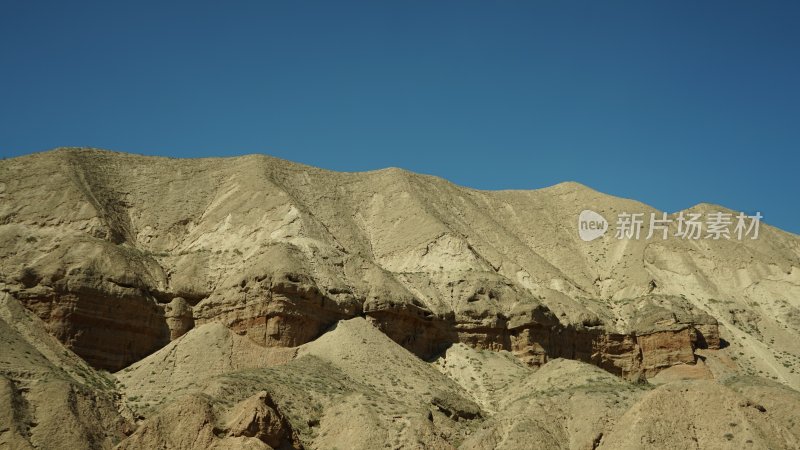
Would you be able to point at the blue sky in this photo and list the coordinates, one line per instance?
(671, 103)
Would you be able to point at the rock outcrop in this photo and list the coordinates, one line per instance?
(258, 417)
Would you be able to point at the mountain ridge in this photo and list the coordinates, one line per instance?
(125, 259)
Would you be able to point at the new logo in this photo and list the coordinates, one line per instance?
(591, 225)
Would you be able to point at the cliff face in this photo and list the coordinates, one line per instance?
(120, 254)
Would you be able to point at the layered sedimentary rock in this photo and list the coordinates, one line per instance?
(286, 312)
(109, 322)
(108, 332)
(536, 336)
(50, 398)
(255, 303)
(119, 254)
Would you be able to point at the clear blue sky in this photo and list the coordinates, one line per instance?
(669, 102)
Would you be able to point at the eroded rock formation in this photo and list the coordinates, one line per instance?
(120, 254)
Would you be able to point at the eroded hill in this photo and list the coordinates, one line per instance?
(289, 306)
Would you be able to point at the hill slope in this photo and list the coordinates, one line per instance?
(234, 284)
